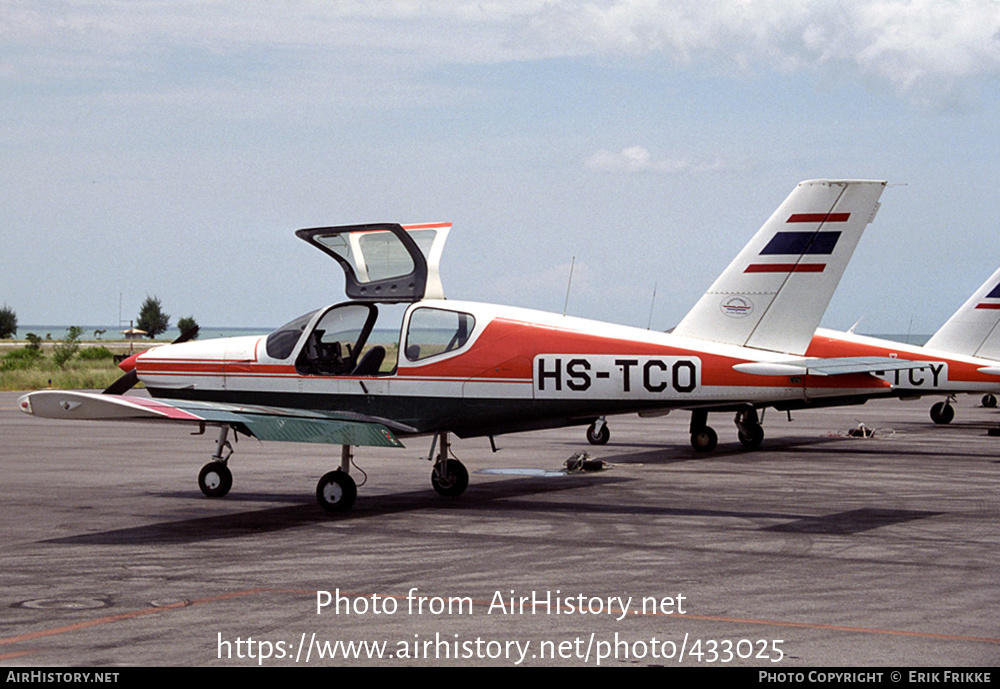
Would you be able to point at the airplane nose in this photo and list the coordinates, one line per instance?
(129, 363)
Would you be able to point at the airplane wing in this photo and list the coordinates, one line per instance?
(837, 366)
(265, 423)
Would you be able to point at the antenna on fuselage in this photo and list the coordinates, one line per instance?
(651, 302)
(569, 284)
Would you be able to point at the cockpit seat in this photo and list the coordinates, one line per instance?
(371, 362)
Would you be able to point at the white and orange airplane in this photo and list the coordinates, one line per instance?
(963, 355)
(481, 370)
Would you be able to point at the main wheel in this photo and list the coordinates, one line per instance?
(336, 491)
(704, 440)
(595, 437)
(455, 479)
(942, 412)
(215, 479)
(989, 400)
(753, 437)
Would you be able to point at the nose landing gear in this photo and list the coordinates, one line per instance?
(215, 478)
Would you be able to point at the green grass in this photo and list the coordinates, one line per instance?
(29, 369)
(76, 375)
(92, 367)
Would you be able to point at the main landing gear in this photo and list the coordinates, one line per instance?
(749, 429)
(337, 490)
(449, 477)
(703, 437)
(943, 412)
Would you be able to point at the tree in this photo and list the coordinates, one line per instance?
(67, 347)
(8, 322)
(185, 324)
(151, 317)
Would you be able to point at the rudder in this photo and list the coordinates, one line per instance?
(774, 293)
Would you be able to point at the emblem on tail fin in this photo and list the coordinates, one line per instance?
(736, 306)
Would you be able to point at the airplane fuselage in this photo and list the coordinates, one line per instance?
(509, 369)
(945, 373)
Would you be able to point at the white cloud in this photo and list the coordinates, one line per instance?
(923, 49)
(635, 159)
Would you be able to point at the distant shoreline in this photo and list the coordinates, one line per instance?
(114, 334)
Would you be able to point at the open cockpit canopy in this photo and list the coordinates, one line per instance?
(385, 262)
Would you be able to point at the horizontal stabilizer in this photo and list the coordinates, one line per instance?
(839, 366)
(774, 294)
(265, 423)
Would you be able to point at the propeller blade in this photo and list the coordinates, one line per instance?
(123, 384)
(131, 378)
(188, 334)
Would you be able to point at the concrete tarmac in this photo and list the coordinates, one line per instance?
(816, 550)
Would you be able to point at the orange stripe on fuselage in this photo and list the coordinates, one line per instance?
(826, 346)
(516, 344)
(208, 367)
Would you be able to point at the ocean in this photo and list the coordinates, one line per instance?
(113, 333)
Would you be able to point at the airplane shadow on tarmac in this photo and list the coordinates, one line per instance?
(510, 496)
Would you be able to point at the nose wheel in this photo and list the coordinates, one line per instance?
(336, 491)
(215, 479)
(598, 432)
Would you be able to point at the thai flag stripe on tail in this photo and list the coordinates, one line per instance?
(799, 243)
(994, 294)
(785, 268)
(819, 217)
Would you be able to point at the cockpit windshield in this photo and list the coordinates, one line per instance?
(282, 341)
(333, 346)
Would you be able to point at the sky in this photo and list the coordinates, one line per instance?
(172, 148)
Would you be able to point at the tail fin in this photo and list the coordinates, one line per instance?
(773, 295)
(973, 329)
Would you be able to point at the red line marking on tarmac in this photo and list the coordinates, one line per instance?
(121, 617)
